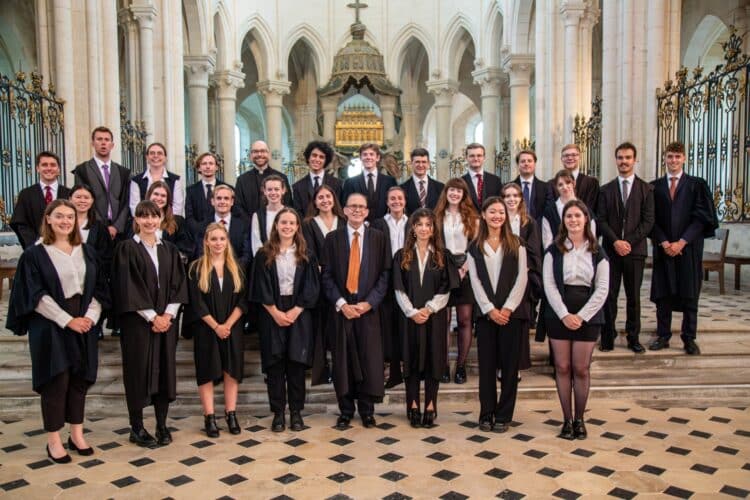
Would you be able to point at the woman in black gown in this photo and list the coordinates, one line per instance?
(57, 299)
(149, 285)
(214, 318)
(422, 281)
(286, 284)
(173, 227)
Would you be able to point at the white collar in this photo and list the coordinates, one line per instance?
(628, 178)
(206, 183)
(260, 170)
(100, 163)
(679, 176)
(366, 172)
(530, 180)
(164, 175)
(351, 230)
(417, 180)
(137, 238)
(575, 172)
(474, 174)
(227, 218)
(402, 220)
(52, 186)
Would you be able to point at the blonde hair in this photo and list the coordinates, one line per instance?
(203, 266)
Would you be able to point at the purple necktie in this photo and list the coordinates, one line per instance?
(105, 174)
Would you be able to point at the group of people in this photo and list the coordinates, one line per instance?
(365, 270)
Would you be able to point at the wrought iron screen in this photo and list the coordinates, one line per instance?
(710, 115)
(31, 121)
(588, 135)
(191, 155)
(133, 135)
(503, 162)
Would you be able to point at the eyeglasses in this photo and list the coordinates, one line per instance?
(356, 208)
(256, 151)
(571, 155)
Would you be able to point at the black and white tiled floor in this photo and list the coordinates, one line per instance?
(631, 451)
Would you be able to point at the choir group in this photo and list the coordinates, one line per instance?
(355, 280)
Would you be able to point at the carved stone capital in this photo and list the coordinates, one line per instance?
(518, 67)
(572, 11)
(144, 14)
(227, 82)
(198, 69)
(274, 90)
(443, 90)
(489, 79)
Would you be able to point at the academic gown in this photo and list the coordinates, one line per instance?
(358, 346)
(54, 349)
(182, 237)
(148, 358)
(102, 243)
(424, 346)
(531, 237)
(294, 342)
(691, 216)
(29, 210)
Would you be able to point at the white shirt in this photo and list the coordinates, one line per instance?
(205, 186)
(286, 266)
(474, 179)
(255, 242)
(53, 188)
(350, 232)
(453, 231)
(575, 172)
(630, 183)
(577, 270)
(396, 229)
(669, 178)
(172, 309)
(178, 196)
(71, 271)
(515, 224)
(227, 218)
(435, 304)
(100, 163)
(547, 236)
(322, 225)
(84, 232)
(374, 173)
(493, 261)
(316, 176)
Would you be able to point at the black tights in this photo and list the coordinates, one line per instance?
(161, 408)
(572, 373)
(463, 339)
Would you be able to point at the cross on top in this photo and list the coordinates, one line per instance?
(356, 5)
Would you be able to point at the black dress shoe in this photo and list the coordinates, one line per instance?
(65, 459)
(485, 424)
(501, 427)
(279, 423)
(659, 344)
(567, 431)
(691, 347)
(579, 429)
(428, 420)
(295, 421)
(142, 438)
(326, 375)
(460, 377)
(163, 436)
(343, 422)
(368, 421)
(209, 425)
(606, 346)
(84, 452)
(232, 423)
(415, 418)
(636, 346)
(446, 378)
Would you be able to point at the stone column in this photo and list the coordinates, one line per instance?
(273, 91)
(571, 11)
(610, 100)
(656, 73)
(227, 82)
(329, 105)
(145, 15)
(130, 27)
(111, 73)
(489, 80)
(409, 123)
(198, 69)
(306, 125)
(64, 75)
(387, 108)
(519, 68)
(42, 40)
(443, 90)
(585, 33)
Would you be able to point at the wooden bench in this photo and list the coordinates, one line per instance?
(738, 263)
(7, 270)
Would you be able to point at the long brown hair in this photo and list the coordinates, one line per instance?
(48, 234)
(203, 266)
(272, 247)
(523, 212)
(438, 255)
(469, 215)
(508, 240)
(313, 211)
(168, 222)
(562, 232)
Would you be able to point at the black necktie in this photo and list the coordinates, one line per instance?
(316, 183)
(209, 192)
(370, 188)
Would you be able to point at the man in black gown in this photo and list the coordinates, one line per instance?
(684, 216)
(249, 184)
(355, 279)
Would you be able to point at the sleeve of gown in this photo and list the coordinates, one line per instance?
(703, 215)
(547, 235)
(308, 296)
(476, 286)
(534, 260)
(255, 242)
(27, 292)
(449, 280)
(130, 292)
(377, 294)
(554, 299)
(48, 308)
(135, 197)
(262, 283)
(402, 299)
(197, 306)
(601, 289)
(519, 287)
(178, 199)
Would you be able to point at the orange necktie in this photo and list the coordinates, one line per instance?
(672, 186)
(352, 275)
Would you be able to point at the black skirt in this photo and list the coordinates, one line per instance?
(575, 297)
(463, 294)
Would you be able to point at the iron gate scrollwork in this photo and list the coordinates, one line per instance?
(588, 135)
(133, 135)
(710, 114)
(191, 155)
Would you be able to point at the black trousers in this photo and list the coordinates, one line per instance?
(364, 403)
(286, 377)
(161, 409)
(629, 271)
(430, 391)
(498, 347)
(63, 400)
(664, 319)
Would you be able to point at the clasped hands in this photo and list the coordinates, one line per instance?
(500, 316)
(675, 248)
(80, 325)
(161, 323)
(354, 311)
(284, 318)
(572, 321)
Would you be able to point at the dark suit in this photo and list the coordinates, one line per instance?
(239, 229)
(631, 222)
(303, 191)
(539, 195)
(119, 192)
(29, 211)
(676, 281)
(358, 184)
(434, 188)
(248, 193)
(198, 208)
(491, 186)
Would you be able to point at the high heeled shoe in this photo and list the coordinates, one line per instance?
(579, 429)
(415, 418)
(428, 420)
(84, 452)
(65, 459)
(232, 423)
(209, 425)
(567, 431)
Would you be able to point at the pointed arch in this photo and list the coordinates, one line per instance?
(312, 38)
(222, 29)
(707, 34)
(196, 27)
(520, 28)
(263, 48)
(400, 44)
(492, 37)
(458, 35)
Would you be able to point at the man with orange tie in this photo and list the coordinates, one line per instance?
(355, 270)
(29, 209)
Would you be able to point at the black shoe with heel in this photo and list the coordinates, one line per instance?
(65, 459)
(460, 377)
(209, 425)
(579, 429)
(428, 420)
(567, 431)
(84, 452)
(446, 375)
(232, 423)
(415, 418)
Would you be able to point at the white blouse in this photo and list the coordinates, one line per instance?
(578, 270)
(322, 225)
(71, 271)
(171, 309)
(255, 242)
(493, 261)
(435, 304)
(453, 231)
(286, 266)
(547, 236)
(396, 229)
(84, 232)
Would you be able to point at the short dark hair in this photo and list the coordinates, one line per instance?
(627, 145)
(162, 146)
(475, 145)
(369, 145)
(103, 129)
(525, 152)
(91, 214)
(675, 147)
(46, 154)
(419, 152)
(324, 148)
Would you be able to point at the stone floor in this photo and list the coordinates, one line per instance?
(631, 451)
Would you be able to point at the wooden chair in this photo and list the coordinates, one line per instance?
(715, 261)
(7, 270)
(738, 262)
